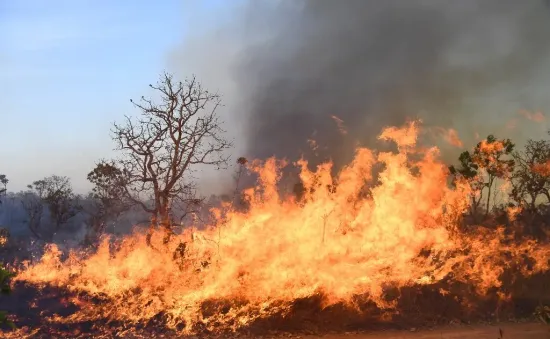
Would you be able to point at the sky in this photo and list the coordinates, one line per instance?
(67, 72)
(68, 69)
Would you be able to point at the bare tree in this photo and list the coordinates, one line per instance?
(32, 202)
(164, 144)
(528, 182)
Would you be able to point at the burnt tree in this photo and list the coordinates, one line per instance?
(164, 145)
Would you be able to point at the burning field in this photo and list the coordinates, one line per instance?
(382, 244)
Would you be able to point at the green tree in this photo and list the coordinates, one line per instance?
(5, 288)
(469, 171)
(57, 194)
(490, 160)
(108, 199)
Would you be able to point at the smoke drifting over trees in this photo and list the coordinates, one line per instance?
(463, 64)
(375, 63)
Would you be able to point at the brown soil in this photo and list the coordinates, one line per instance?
(509, 331)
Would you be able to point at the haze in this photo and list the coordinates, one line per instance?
(69, 68)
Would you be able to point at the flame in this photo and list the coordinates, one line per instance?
(491, 147)
(491, 150)
(536, 117)
(351, 235)
(542, 169)
(513, 212)
(450, 136)
(340, 125)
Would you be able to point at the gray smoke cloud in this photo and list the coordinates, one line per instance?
(292, 65)
(376, 63)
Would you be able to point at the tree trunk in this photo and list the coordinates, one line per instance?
(533, 202)
(152, 226)
(489, 196)
(165, 223)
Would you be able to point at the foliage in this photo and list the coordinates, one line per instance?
(31, 202)
(490, 160)
(107, 198)
(528, 183)
(469, 170)
(5, 276)
(161, 148)
(57, 194)
(4, 181)
(60, 199)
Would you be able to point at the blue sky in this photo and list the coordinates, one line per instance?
(67, 71)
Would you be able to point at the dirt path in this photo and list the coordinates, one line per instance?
(510, 331)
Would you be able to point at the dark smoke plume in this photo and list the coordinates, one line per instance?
(375, 63)
(284, 67)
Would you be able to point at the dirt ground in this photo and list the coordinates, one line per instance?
(509, 331)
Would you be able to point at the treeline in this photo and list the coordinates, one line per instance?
(508, 184)
(170, 138)
(160, 149)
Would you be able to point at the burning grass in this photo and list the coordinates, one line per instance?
(357, 249)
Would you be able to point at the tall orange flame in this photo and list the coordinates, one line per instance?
(353, 234)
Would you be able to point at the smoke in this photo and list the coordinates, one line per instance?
(292, 65)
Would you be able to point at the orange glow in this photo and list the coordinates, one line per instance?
(512, 124)
(450, 136)
(340, 124)
(536, 117)
(542, 169)
(350, 235)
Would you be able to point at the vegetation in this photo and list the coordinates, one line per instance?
(180, 132)
(4, 181)
(161, 149)
(56, 193)
(107, 199)
(5, 275)
(489, 161)
(172, 137)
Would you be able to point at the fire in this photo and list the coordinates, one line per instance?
(536, 116)
(452, 138)
(542, 169)
(340, 124)
(356, 234)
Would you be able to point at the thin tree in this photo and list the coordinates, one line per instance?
(56, 193)
(4, 181)
(468, 170)
(494, 156)
(168, 141)
(32, 203)
(60, 199)
(529, 183)
(107, 200)
(489, 161)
